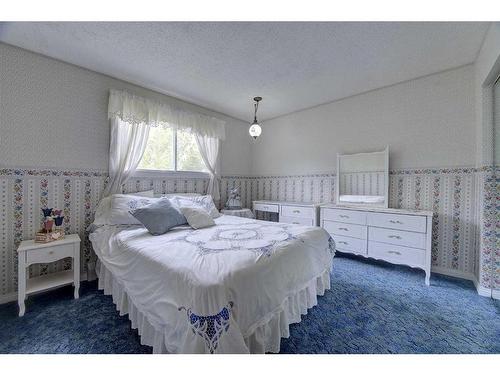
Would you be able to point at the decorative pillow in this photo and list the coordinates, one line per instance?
(197, 218)
(121, 204)
(204, 202)
(159, 217)
(102, 210)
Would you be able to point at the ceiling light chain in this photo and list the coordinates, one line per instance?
(255, 129)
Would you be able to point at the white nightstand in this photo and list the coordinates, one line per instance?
(30, 252)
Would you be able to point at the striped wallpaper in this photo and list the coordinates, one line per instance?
(464, 200)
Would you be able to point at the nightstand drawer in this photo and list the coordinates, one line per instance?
(296, 220)
(49, 254)
(266, 207)
(297, 211)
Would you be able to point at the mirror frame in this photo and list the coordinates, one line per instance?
(385, 152)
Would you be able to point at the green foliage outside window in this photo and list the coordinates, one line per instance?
(159, 153)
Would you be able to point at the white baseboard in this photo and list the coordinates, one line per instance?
(481, 290)
(495, 294)
(6, 298)
(453, 273)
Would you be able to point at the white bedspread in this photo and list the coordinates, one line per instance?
(208, 290)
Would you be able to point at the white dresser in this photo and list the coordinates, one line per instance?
(395, 235)
(291, 212)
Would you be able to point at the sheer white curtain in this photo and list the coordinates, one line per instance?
(127, 144)
(132, 116)
(209, 150)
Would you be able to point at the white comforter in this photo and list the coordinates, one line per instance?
(207, 290)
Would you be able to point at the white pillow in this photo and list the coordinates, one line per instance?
(121, 204)
(102, 210)
(197, 218)
(204, 202)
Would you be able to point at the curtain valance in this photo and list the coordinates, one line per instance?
(138, 110)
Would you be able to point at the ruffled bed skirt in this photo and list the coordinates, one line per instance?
(262, 337)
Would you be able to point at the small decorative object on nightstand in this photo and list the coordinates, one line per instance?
(48, 233)
(234, 200)
(30, 252)
(244, 212)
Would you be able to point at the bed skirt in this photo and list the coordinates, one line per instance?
(263, 336)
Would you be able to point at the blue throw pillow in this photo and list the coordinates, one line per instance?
(159, 217)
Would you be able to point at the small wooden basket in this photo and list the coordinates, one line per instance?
(42, 236)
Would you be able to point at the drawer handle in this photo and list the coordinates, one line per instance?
(296, 211)
(343, 242)
(394, 252)
(295, 222)
(395, 222)
(396, 237)
(51, 252)
(265, 207)
(347, 230)
(344, 216)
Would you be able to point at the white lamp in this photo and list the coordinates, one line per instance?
(255, 129)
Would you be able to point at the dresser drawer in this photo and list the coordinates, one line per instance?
(350, 245)
(266, 207)
(297, 211)
(395, 221)
(296, 220)
(344, 229)
(397, 254)
(397, 237)
(344, 216)
(49, 254)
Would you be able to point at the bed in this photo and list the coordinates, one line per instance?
(231, 288)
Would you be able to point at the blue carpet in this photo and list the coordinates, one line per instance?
(373, 307)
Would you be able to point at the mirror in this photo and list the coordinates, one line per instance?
(363, 179)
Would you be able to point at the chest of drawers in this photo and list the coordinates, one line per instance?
(393, 235)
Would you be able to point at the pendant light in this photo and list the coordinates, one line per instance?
(255, 129)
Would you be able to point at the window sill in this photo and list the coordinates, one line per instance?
(149, 173)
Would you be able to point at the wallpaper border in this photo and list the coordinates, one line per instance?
(392, 172)
(51, 172)
(64, 172)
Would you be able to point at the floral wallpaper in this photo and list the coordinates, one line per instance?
(465, 202)
(489, 218)
(23, 192)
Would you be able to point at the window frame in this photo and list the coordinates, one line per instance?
(145, 173)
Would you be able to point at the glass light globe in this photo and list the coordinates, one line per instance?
(255, 130)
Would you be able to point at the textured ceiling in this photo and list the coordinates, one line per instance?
(222, 66)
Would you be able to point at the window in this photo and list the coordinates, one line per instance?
(171, 150)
